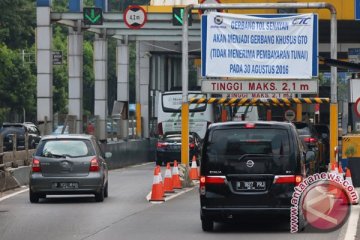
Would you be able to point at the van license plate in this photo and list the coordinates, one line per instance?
(251, 185)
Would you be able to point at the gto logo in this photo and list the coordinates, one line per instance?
(301, 21)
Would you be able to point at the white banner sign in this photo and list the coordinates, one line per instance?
(258, 86)
(266, 46)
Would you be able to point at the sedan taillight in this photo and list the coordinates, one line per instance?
(35, 165)
(310, 140)
(161, 145)
(94, 165)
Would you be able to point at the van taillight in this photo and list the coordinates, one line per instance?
(94, 165)
(160, 129)
(35, 165)
(250, 125)
(210, 180)
(296, 179)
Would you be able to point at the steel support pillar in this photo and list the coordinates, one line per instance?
(142, 85)
(101, 95)
(44, 67)
(122, 70)
(75, 71)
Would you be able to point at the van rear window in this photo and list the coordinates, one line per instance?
(248, 141)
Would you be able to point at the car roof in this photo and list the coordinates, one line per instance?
(267, 123)
(68, 136)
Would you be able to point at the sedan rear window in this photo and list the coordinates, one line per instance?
(65, 147)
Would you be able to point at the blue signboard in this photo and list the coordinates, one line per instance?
(357, 9)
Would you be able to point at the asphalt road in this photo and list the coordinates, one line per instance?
(127, 215)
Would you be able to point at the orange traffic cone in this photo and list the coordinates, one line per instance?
(332, 188)
(168, 181)
(341, 172)
(348, 178)
(176, 177)
(161, 181)
(334, 168)
(157, 188)
(194, 174)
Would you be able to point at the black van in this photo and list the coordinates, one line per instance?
(249, 167)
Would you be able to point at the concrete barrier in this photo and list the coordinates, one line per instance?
(131, 152)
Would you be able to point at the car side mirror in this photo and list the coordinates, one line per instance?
(310, 156)
(108, 155)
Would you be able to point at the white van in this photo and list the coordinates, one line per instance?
(246, 113)
(169, 113)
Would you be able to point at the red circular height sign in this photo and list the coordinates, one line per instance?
(211, 2)
(357, 107)
(135, 17)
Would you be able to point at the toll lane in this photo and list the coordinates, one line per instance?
(127, 215)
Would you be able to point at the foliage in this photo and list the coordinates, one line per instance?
(88, 78)
(17, 23)
(17, 83)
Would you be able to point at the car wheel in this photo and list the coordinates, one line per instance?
(32, 145)
(99, 197)
(302, 221)
(106, 191)
(207, 225)
(34, 198)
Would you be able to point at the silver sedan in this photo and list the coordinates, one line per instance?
(69, 164)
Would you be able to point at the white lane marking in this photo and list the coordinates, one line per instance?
(13, 194)
(352, 223)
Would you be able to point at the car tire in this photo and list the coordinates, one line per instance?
(32, 145)
(34, 198)
(207, 225)
(99, 197)
(302, 221)
(106, 191)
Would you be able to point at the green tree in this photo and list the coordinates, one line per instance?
(88, 78)
(17, 23)
(17, 84)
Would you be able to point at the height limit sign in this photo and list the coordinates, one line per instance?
(135, 17)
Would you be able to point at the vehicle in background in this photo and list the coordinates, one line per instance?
(68, 164)
(20, 129)
(59, 130)
(246, 113)
(309, 137)
(324, 135)
(168, 148)
(250, 168)
(169, 113)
